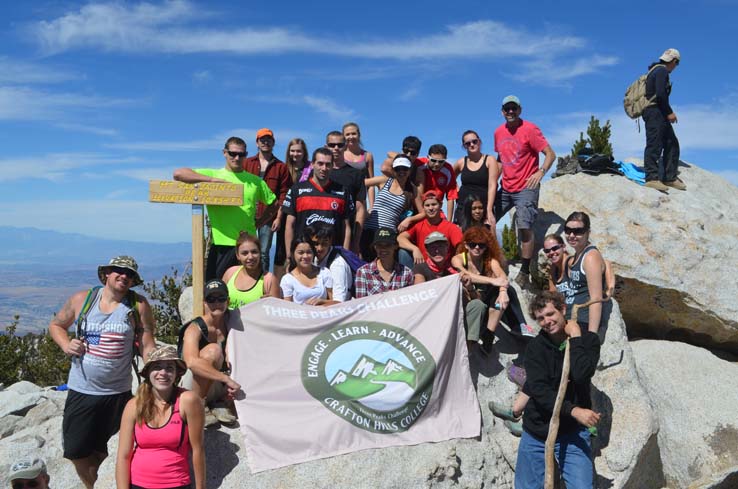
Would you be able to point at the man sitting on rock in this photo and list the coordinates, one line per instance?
(29, 472)
(544, 359)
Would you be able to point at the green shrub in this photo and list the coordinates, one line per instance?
(31, 357)
(164, 299)
(509, 243)
(598, 138)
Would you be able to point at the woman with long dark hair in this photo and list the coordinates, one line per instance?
(306, 283)
(247, 282)
(479, 173)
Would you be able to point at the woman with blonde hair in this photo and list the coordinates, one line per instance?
(159, 428)
(356, 156)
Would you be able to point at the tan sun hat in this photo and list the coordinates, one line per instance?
(164, 353)
(122, 261)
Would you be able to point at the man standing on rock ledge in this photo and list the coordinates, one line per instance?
(112, 321)
(518, 144)
(661, 173)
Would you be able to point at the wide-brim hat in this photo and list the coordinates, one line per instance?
(122, 261)
(162, 354)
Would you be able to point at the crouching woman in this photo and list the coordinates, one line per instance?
(158, 429)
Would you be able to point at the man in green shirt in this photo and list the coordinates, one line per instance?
(227, 222)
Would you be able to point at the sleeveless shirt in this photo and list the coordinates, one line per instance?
(474, 182)
(387, 210)
(237, 297)
(160, 458)
(576, 286)
(105, 368)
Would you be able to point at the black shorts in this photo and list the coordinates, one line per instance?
(90, 421)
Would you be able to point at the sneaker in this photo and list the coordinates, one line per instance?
(210, 419)
(504, 412)
(655, 184)
(528, 330)
(223, 415)
(516, 374)
(677, 184)
(515, 427)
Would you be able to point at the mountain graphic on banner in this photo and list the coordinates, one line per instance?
(369, 376)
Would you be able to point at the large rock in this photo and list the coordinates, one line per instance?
(694, 394)
(676, 254)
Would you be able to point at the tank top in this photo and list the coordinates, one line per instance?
(106, 366)
(359, 164)
(576, 286)
(160, 457)
(474, 182)
(237, 297)
(387, 210)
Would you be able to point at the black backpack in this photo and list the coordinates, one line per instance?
(598, 163)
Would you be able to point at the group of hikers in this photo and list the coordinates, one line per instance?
(342, 233)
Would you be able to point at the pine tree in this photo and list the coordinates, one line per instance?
(509, 243)
(598, 138)
(164, 299)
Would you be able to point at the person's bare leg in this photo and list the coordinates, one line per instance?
(493, 319)
(87, 468)
(526, 243)
(279, 271)
(213, 354)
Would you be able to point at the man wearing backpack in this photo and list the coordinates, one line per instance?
(112, 321)
(329, 256)
(661, 174)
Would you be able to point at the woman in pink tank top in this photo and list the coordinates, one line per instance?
(159, 429)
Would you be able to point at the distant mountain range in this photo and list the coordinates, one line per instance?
(41, 268)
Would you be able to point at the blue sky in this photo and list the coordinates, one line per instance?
(97, 98)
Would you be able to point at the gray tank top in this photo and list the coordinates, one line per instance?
(576, 286)
(106, 367)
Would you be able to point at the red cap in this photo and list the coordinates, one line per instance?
(431, 193)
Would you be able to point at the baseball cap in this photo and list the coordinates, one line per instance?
(385, 235)
(431, 193)
(264, 132)
(670, 55)
(27, 468)
(215, 287)
(402, 162)
(511, 99)
(122, 261)
(434, 237)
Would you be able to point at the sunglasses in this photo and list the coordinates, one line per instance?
(481, 246)
(237, 154)
(123, 271)
(433, 160)
(335, 145)
(22, 485)
(471, 142)
(510, 108)
(552, 249)
(410, 152)
(216, 300)
(266, 140)
(575, 231)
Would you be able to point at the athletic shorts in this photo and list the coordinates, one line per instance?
(525, 203)
(90, 421)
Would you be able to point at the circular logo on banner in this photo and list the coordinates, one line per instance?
(375, 376)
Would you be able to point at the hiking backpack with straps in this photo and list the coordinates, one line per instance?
(635, 96)
(352, 260)
(134, 318)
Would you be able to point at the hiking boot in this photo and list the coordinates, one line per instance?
(223, 414)
(677, 184)
(210, 419)
(528, 330)
(515, 427)
(655, 184)
(516, 374)
(504, 412)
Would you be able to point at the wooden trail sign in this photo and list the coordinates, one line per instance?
(197, 194)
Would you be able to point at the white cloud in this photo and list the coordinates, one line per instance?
(409, 94)
(54, 167)
(202, 76)
(100, 131)
(146, 174)
(23, 103)
(329, 107)
(112, 219)
(22, 72)
(552, 71)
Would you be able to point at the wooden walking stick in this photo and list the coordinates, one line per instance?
(553, 426)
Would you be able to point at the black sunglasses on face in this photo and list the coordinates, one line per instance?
(471, 142)
(510, 108)
(216, 300)
(237, 154)
(335, 145)
(433, 160)
(575, 231)
(410, 152)
(552, 249)
(266, 140)
(477, 245)
(22, 485)
(122, 271)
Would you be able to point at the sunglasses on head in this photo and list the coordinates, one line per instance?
(434, 160)
(477, 245)
(219, 299)
(237, 154)
(575, 231)
(335, 145)
(410, 151)
(552, 249)
(22, 485)
(471, 142)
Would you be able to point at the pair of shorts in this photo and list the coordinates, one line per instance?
(525, 203)
(90, 421)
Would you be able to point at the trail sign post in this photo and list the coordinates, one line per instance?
(197, 194)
